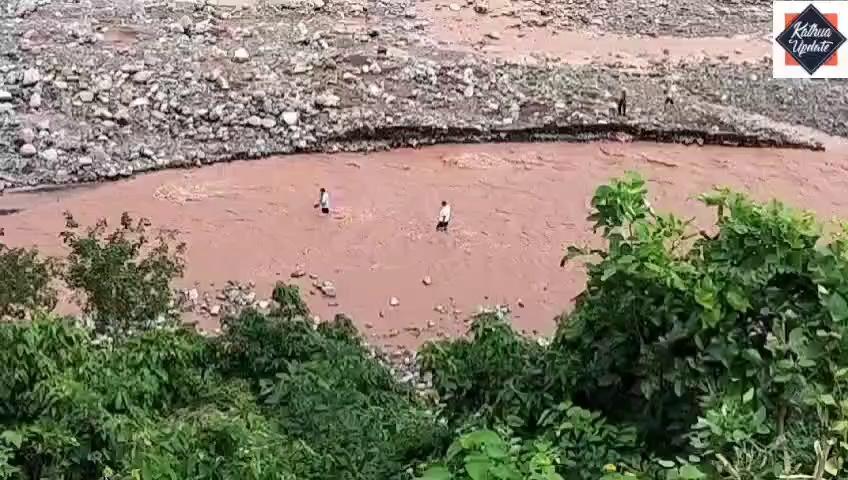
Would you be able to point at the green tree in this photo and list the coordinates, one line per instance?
(26, 283)
(124, 276)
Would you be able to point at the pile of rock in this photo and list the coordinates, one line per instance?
(231, 300)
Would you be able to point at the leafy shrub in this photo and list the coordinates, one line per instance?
(289, 302)
(484, 454)
(323, 387)
(587, 443)
(26, 282)
(495, 370)
(124, 277)
(718, 349)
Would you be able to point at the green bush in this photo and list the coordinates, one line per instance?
(124, 278)
(720, 350)
(26, 282)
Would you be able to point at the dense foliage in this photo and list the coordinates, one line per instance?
(26, 282)
(124, 279)
(690, 355)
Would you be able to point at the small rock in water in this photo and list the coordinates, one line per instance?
(427, 280)
(215, 310)
(481, 6)
(35, 100)
(86, 96)
(328, 289)
(192, 295)
(5, 96)
(520, 303)
(454, 7)
(394, 302)
(298, 273)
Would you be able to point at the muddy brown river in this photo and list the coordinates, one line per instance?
(515, 206)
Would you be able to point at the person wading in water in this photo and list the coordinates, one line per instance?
(444, 218)
(323, 201)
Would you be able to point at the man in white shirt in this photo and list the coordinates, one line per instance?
(444, 217)
(323, 201)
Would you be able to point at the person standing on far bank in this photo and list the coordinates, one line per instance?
(622, 104)
(324, 201)
(444, 217)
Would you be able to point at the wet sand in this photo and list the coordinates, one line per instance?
(515, 207)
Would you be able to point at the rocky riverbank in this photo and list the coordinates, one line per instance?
(96, 90)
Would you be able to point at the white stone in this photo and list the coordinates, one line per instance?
(31, 77)
(28, 150)
(143, 76)
(241, 55)
(50, 155)
(35, 100)
(291, 118)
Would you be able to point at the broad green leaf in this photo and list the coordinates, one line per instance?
(753, 355)
(666, 463)
(831, 467)
(477, 469)
(837, 306)
(13, 438)
(840, 426)
(827, 399)
(482, 437)
(748, 396)
(691, 472)
(436, 472)
(495, 451)
(505, 472)
(737, 300)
